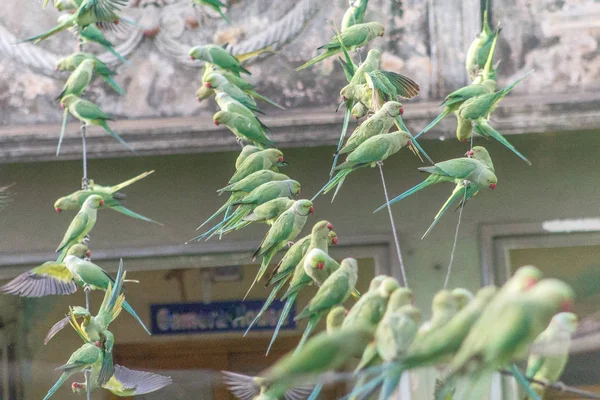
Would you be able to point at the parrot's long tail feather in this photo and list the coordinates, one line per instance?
(314, 395)
(389, 385)
(57, 385)
(211, 231)
(410, 191)
(47, 34)
(487, 131)
(362, 389)
(265, 306)
(62, 254)
(337, 180)
(514, 370)
(266, 259)
(458, 193)
(278, 276)
(133, 214)
(310, 327)
(116, 136)
(433, 123)
(402, 126)
(128, 182)
(130, 310)
(114, 85)
(221, 209)
(284, 314)
(265, 99)
(222, 14)
(62, 130)
(236, 227)
(317, 59)
(342, 137)
(237, 217)
(115, 53)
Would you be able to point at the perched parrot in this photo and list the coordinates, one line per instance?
(352, 38)
(462, 297)
(87, 274)
(283, 231)
(334, 291)
(443, 308)
(548, 368)
(477, 110)
(318, 265)
(478, 51)
(220, 84)
(50, 278)
(87, 356)
(289, 262)
(215, 5)
(90, 114)
(388, 86)
(369, 153)
(246, 151)
(89, 12)
(370, 64)
(455, 170)
(240, 83)
(502, 334)
(91, 34)
(263, 159)
(359, 110)
(127, 382)
(354, 14)
(243, 128)
(231, 105)
(247, 204)
(79, 79)
(110, 194)
(266, 213)
(218, 56)
(71, 62)
(81, 225)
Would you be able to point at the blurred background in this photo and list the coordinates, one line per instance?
(547, 215)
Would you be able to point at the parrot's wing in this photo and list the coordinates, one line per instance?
(534, 363)
(458, 168)
(279, 231)
(331, 293)
(104, 10)
(114, 297)
(85, 355)
(405, 87)
(57, 327)
(88, 110)
(242, 386)
(121, 185)
(50, 278)
(76, 228)
(133, 383)
(300, 392)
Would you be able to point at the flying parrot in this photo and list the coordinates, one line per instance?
(71, 62)
(243, 128)
(334, 291)
(354, 14)
(284, 230)
(352, 38)
(110, 194)
(91, 34)
(215, 5)
(455, 170)
(218, 56)
(81, 225)
(548, 368)
(50, 278)
(263, 159)
(90, 114)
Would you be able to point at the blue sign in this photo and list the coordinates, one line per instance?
(225, 316)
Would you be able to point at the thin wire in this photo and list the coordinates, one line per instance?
(455, 239)
(88, 384)
(395, 233)
(84, 181)
(559, 387)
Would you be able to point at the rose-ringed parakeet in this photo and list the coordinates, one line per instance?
(240, 83)
(218, 56)
(266, 213)
(263, 159)
(354, 14)
(231, 105)
(479, 50)
(284, 230)
(50, 278)
(219, 84)
(70, 63)
(246, 151)
(318, 265)
(334, 291)
(455, 170)
(352, 38)
(81, 225)
(91, 34)
(110, 194)
(548, 368)
(215, 5)
(245, 130)
(90, 114)
(79, 79)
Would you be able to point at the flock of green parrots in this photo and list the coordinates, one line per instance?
(471, 336)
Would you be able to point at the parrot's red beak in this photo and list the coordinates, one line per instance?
(62, 105)
(101, 202)
(465, 141)
(207, 84)
(320, 266)
(330, 226)
(343, 98)
(409, 143)
(529, 283)
(355, 117)
(401, 110)
(88, 253)
(58, 209)
(493, 186)
(97, 344)
(192, 58)
(117, 21)
(347, 312)
(77, 385)
(199, 99)
(311, 209)
(335, 240)
(216, 122)
(280, 159)
(470, 153)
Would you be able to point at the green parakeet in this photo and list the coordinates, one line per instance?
(370, 152)
(91, 34)
(70, 63)
(240, 83)
(455, 170)
(127, 382)
(334, 291)
(218, 56)
(548, 368)
(215, 5)
(90, 114)
(284, 230)
(243, 128)
(318, 265)
(50, 278)
(443, 308)
(81, 225)
(266, 213)
(352, 38)
(502, 334)
(79, 79)
(113, 199)
(89, 12)
(87, 356)
(85, 273)
(462, 297)
(231, 105)
(246, 151)
(219, 83)
(371, 63)
(359, 110)
(354, 14)
(255, 161)
(477, 110)
(478, 51)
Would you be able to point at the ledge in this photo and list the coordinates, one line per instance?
(293, 128)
